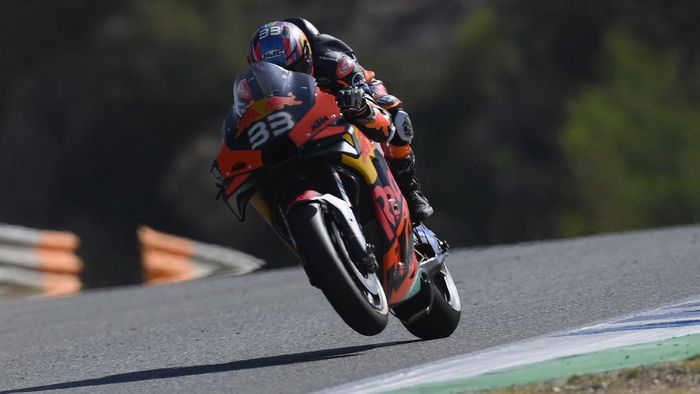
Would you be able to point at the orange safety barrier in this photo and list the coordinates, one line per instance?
(56, 252)
(60, 240)
(166, 258)
(46, 261)
(60, 285)
(40, 259)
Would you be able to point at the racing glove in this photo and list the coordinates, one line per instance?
(352, 103)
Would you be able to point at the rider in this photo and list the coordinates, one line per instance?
(297, 45)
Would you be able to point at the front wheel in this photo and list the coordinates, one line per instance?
(358, 298)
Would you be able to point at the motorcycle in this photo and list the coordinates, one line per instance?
(326, 190)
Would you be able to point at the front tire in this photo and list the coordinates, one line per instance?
(358, 299)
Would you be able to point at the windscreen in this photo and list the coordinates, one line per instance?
(266, 79)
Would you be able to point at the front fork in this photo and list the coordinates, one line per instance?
(361, 253)
(340, 211)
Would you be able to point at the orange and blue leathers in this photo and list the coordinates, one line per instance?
(335, 67)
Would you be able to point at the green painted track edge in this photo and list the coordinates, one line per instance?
(670, 350)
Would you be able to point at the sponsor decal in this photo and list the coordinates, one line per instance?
(241, 165)
(243, 90)
(279, 102)
(319, 122)
(262, 108)
(345, 66)
(390, 200)
(386, 101)
(273, 53)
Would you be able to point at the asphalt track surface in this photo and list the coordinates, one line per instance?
(272, 332)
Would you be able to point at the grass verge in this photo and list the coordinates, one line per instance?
(678, 377)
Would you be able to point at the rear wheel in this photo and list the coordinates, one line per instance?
(358, 298)
(443, 313)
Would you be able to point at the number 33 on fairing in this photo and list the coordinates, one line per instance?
(274, 125)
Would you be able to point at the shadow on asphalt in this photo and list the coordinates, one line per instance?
(166, 373)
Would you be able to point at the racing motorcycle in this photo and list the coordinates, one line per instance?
(326, 190)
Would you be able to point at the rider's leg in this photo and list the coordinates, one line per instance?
(402, 162)
(399, 153)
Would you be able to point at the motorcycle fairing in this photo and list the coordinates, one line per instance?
(314, 125)
(363, 161)
(277, 112)
(233, 172)
(288, 117)
(399, 263)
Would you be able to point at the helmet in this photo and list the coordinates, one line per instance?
(283, 44)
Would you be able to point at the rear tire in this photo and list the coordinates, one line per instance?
(358, 299)
(445, 310)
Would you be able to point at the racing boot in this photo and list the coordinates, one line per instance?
(404, 171)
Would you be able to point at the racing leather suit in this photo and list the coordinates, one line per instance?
(335, 68)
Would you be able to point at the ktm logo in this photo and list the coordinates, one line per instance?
(319, 122)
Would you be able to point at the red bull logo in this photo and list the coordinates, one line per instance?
(264, 107)
(278, 103)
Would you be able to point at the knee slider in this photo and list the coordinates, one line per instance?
(404, 128)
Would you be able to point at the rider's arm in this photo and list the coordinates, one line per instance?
(336, 68)
(375, 122)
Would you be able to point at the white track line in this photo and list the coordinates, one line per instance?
(652, 326)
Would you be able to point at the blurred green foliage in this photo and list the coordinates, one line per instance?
(632, 142)
(534, 119)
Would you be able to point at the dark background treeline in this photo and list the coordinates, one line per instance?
(534, 119)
